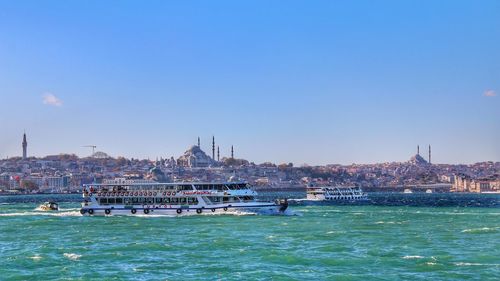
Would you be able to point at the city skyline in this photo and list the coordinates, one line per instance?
(320, 83)
(418, 156)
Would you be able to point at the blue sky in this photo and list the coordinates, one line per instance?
(312, 82)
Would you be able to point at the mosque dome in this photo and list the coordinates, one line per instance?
(195, 157)
(418, 160)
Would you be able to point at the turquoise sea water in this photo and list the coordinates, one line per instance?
(314, 243)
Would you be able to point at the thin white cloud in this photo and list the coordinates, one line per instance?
(490, 93)
(50, 99)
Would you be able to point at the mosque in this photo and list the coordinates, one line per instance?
(195, 157)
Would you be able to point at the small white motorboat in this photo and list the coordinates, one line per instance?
(49, 206)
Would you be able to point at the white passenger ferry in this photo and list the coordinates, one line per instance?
(181, 198)
(335, 193)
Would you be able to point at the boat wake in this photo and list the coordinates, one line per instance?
(39, 212)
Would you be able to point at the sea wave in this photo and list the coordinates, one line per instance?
(475, 264)
(481, 230)
(391, 222)
(36, 257)
(412, 257)
(72, 256)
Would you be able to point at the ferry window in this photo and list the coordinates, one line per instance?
(127, 201)
(183, 200)
(135, 200)
(119, 200)
(142, 200)
(111, 200)
(103, 201)
(225, 199)
(192, 200)
(187, 187)
(174, 200)
(166, 200)
(215, 199)
(150, 200)
(159, 200)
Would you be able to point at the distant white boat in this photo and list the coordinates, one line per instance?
(335, 193)
(407, 190)
(428, 190)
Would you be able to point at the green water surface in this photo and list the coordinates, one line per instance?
(318, 243)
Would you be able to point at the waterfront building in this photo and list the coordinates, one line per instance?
(56, 182)
(464, 183)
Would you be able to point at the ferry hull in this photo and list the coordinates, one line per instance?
(159, 211)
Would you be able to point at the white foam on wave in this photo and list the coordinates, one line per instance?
(475, 264)
(72, 256)
(390, 222)
(385, 222)
(335, 232)
(480, 230)
(36, 257)
(412, 257)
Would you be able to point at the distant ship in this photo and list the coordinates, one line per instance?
(332, 195)
(335, 193)
(182, 198)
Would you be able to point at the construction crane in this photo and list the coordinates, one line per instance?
(93, 148)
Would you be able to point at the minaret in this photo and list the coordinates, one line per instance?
(213, 147)
(198, 141)
(429, 154)
(232, 152)
(418, 150)
(25, 147)
(218, 154)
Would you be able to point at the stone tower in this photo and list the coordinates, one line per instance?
(213, 147)
(25, 147)
(429, 154)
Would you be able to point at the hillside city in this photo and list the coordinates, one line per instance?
(66, 173)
